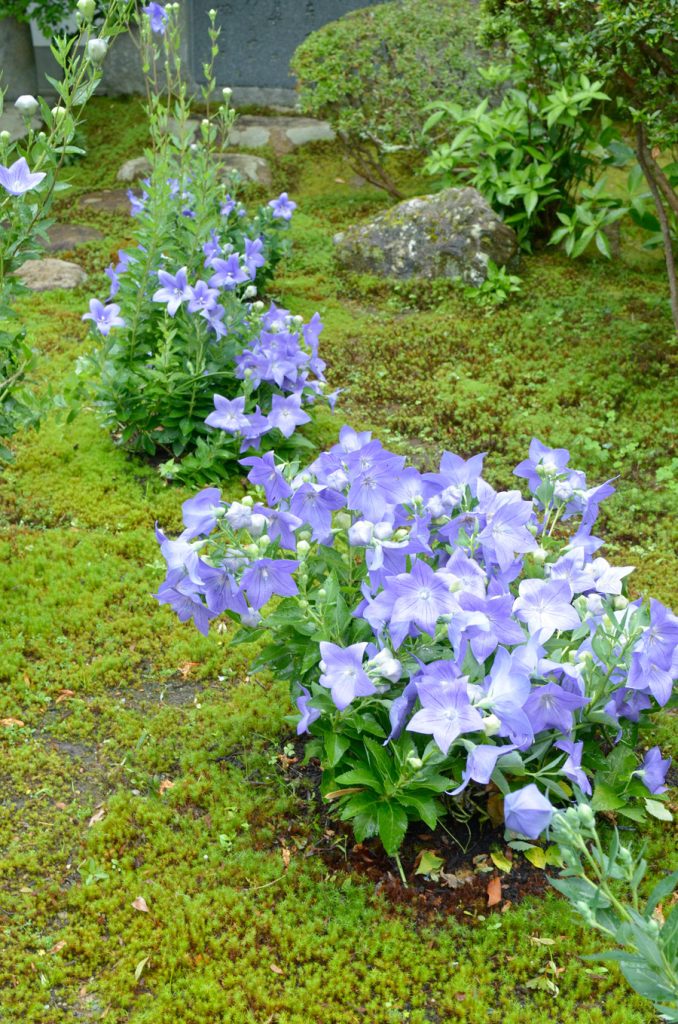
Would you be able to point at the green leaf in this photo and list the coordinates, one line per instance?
(361, 775)
(392, 822)
(429, 864)
(605, 798)
(658, 810)
(336, 746)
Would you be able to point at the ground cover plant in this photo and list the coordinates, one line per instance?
(138, 727)
(181, 330)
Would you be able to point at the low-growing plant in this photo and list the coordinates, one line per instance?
(29, 173)
(452, 649)
(180, 329)
(372, 72)
(603, 884)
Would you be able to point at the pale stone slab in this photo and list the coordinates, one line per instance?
(47, 274)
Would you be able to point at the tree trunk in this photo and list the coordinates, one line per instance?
(646, 161)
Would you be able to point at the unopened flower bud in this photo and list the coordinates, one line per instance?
(250, 618)
(258, 524)
(58, 113)
(86, 9)
(540, 555)
(249, 292)
(226, 92)
(620, 602)
(257, 306)
(264, 541)
(360, 533)
(342, 520)
(251, 549)
(5, 136)
(247, 500)
(322, 593)
(303, 547)
(491, 725)
(382, 531)
(415, 762)
(586, 815)
(212, 13)
(205, 122)
(96, 50)
(26, 105)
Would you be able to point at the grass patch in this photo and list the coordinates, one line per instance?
(117, 700)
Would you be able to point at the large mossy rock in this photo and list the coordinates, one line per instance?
(451, 234)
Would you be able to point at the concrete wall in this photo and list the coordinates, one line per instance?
(258, 38)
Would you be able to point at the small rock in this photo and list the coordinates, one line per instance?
(451, 234)
(282, 134)
(67, 236)
(254, 168)
(44, 275)
(13, 122)
(107, 200)
(132, 170)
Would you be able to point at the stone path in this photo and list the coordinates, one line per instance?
(68, 236)
(282, 134)
(107, 200)
(44, 275)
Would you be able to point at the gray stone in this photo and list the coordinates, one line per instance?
(254, 168)
(12, 121)
(282, 134)
(451, 234)
(44, 275)
(17, 60)
(107, 200)
(137, 167)
(63, 237)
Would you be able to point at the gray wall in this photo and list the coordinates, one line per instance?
(258, 38)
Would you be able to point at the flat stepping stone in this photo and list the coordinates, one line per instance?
(282, 134)
(107, 200)
(253, 168)
(133, 170)
(68, 236)
(44, 275)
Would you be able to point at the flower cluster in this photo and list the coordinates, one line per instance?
(437, 632)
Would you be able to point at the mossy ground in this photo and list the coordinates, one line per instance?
(117, 698)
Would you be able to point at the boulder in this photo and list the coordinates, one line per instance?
(450, 234)
(254, 168)
(44, 275)
(132, 170)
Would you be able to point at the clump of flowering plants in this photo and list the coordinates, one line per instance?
(181, 323)
(445, 642)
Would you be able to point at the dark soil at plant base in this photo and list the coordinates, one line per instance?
(467, 885)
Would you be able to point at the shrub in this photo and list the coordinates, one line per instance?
(538, 156)
(632, 50)
(372, 73)
(448, 646)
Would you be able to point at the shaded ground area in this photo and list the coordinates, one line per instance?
(158, 861)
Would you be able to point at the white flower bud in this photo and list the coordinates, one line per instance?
(212, 13)
(257, 306)
(251, 549)
(360, 533)
(226, 92)
(264, 541)
(620, 602)
(86, 9)
(205, 122)
(5, 136)
(386, 665)
(249, 292)
(258, 524)
(415, 762)
(250, 618)
(382, 531)
(247, 500)
(491, 725)
(58, 113)
(322, 593)
(303, 547)
(342, 520)
(27, 105)
(540, 555)
(96, 50)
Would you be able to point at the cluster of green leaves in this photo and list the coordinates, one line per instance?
(49, 14)
(372, 73)
(18, 405)
(531, 154)
(591, 880)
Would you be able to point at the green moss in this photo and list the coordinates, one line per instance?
(116, 698)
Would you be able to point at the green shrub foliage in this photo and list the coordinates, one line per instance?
(372, 73)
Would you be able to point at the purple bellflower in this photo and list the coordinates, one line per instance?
(175, 289)
(283, 207)
(654, 770)
(343, 673)
(446, 713)
(264, 473)
(17, 179)
(308, 714)
(104, 317)
(157, 15)
(199, 513)
(527, 811)
(269, 576)
(545, 606)
(228, 415)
